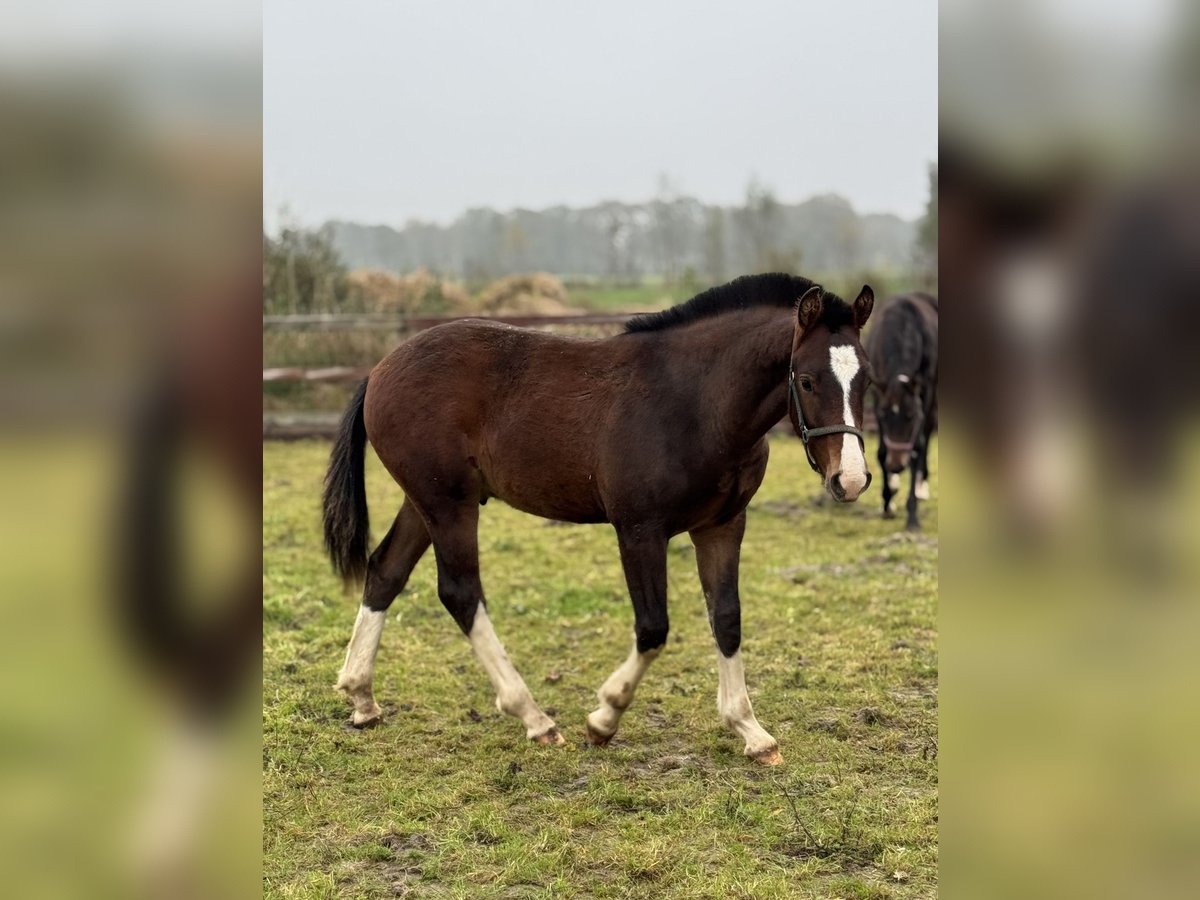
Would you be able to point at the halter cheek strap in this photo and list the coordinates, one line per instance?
(806, 434)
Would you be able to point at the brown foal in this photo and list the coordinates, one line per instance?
(657, 431)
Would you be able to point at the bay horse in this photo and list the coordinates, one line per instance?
(656, 431)
(903, 349)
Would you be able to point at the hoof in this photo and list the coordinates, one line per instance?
(368, 719)
(596, 739)
(769, 757)
(913, 526)
(550, 738)
(888, 514)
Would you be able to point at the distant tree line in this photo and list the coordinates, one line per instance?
(442, 269)
(927, 233)
(304, 273)
(673, 236)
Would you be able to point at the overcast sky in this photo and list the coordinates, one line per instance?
(380, 112)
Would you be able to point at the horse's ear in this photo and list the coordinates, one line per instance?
(863, 306)
(808, 309)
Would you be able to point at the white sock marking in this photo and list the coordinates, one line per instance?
(922, 489)
(359, 666)
(844, 363)
(358, 671)
(894, 481)
(733, 703)
(617, 692)
(512, 696)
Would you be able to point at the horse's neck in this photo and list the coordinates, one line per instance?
(739, 363)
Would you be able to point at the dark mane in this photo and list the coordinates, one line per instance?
(778, 290)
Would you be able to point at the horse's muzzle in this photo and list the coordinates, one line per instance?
(843, 494)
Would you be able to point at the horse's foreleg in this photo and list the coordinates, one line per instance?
(914, 493)
(922, 490)
(718, 550)
(455, 543)
(891, 481)
(644, 559)
(387, 573)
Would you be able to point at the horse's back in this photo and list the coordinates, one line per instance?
(906, 326)
(501, 404)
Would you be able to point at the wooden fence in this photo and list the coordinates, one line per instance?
(411, 324)
(294, 425)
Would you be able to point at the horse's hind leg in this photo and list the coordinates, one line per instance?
(644, 559)
(387, 573)
(456, 545)
(717, 553)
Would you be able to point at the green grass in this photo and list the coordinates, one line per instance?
(605, 298)
(448, 799)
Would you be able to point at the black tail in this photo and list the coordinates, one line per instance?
(347, 528)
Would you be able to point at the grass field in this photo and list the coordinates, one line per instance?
(627, 298)
(447, 799)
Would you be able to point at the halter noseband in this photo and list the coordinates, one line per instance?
(806, 433)
(904, 446)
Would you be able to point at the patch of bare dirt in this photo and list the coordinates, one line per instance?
(870, 715)
(830, 725)
(785, 509)
(906, 537)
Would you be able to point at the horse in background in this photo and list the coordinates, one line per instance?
(903, 350)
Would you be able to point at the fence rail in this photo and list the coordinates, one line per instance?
(328, 373)
(323, 424)
(295, 425)
(408, 324)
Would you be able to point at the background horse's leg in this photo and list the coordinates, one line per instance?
(387, 573)
(645, 562)
(456, 545)
(718, 550)
(914, 467)
(923, 470)
(890, 479)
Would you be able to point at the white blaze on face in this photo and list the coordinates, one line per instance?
(844, 363)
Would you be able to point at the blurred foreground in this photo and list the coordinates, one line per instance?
(1070, 272)
(129, 456)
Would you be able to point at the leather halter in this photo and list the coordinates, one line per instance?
(904, 446)
(806, 434)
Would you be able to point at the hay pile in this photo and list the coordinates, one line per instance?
(418, 293)
(535, 294)
(423, 293)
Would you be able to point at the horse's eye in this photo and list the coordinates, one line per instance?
(806, 383)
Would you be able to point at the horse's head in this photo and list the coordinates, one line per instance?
(900, 412)
(826, 385)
